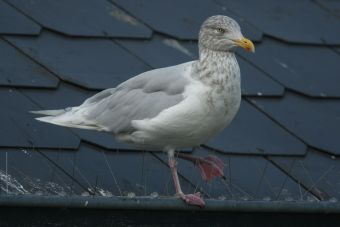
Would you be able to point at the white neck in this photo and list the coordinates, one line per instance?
(214, 66)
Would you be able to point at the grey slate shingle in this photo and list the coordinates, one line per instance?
(251, 132)
(19, 70)
(13, 22)
(186, 16)
(315, 121)
(311, 70)
(20, 129)
(83, 18)
(294, 21)
(318, 172)
(90, 63)
(332, 5)
(172, 52)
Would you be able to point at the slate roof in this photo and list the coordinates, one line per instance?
(283, 145)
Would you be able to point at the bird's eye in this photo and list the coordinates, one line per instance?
(221, 30)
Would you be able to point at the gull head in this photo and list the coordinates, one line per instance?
(222, 33)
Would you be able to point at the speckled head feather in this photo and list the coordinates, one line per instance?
(218, 32)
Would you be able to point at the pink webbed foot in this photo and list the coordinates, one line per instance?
(210, 167)
(193, 199)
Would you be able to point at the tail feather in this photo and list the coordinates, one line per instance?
(66, 118)
(55, 121)
(49, 112)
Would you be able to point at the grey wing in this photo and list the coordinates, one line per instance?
(141, 97)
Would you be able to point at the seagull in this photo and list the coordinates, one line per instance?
(174, 107)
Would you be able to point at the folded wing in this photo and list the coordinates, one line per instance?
(112, 110)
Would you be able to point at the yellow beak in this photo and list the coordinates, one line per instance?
(246, 44)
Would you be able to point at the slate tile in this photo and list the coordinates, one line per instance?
(13, 22)
(246, 178)
(160, 51)
(84, 168)
(318, 172)
(97, 18)
(91, 63)
(311, 70)
(68, 95)
(251, 132)
(332, 5)
(181, 19)
(254, 82)
(315, 121)
(17, 70)
(293, 21)
(337, 50)
(116, 173)
(25, 171)
(20, 129)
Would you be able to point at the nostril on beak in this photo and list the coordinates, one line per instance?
(246, 44)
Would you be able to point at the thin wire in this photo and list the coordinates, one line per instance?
(112, 174)
(262, 173)
(144, 174)
(320, 178)
(65, 172)
(300, 190)
(76, 169)
(285, 180)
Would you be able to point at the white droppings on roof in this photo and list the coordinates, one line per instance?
(103, 192)
(284, 65)
(11, 185)
(176, 45)
(85, 194)
(131, 195)
(154, 195)
(266, 198)
(122, 16)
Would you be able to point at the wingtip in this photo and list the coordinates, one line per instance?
(48, 112)
(34, 111)
(44, 119)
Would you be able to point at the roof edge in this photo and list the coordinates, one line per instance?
(163, 203)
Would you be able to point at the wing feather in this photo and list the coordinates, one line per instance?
(140, 97)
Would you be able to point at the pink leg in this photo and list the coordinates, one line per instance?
(210, 166)
(191, 199)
